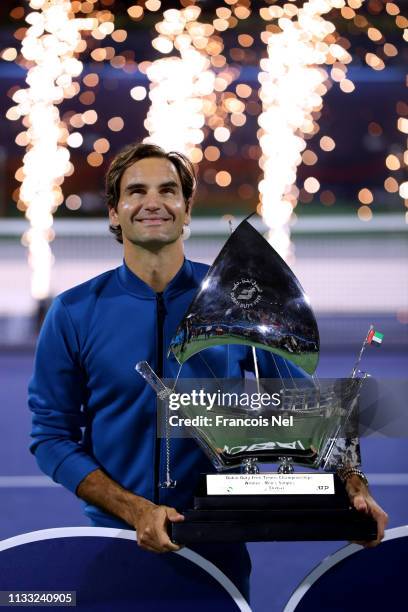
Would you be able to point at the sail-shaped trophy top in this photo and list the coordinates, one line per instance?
(250, 296)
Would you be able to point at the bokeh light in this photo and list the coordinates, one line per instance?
(365, 213)
(365, 196)
(223, 178)
(116, 124)
(73, 202)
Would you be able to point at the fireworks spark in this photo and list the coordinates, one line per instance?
(188, 91)
(181, 84)
(292, 87)
(49, 45)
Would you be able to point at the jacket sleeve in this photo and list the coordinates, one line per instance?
(55, 397)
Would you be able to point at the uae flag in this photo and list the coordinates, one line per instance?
(374, 337)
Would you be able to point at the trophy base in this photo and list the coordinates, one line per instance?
(272, 525)
(265, 518)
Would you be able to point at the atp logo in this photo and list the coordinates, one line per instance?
(246, 293)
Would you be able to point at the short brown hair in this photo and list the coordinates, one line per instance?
(135, 152)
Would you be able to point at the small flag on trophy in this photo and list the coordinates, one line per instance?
(374, 337)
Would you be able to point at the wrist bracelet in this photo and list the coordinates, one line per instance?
(346, 472)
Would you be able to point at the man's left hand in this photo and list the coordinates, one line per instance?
(362, 501)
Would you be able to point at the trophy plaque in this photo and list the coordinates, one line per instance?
(252, 298)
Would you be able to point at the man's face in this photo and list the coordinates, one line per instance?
(151, 210)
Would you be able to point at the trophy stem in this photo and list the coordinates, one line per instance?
(250, 466)
(286, 465)
(168, 483)
(150, 376)
(256, 371)
(163, 392)
(357, 363)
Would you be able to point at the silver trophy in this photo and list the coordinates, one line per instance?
(251, 297)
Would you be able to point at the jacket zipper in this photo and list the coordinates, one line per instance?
(161, 313)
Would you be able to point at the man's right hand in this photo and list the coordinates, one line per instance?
(149, 519)
(151, 523)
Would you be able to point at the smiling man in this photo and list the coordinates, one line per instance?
(94, 418)
(151, 211)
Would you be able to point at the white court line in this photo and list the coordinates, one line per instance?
(388, 479)
(125, 534)
(211, 225)
(21, 482)
(330, 561)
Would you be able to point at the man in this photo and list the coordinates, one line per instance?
(84, 375)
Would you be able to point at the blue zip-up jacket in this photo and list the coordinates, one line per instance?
(90, 407)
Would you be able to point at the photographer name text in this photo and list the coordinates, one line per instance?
(223, 421)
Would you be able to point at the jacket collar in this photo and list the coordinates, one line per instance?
(180, 283)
